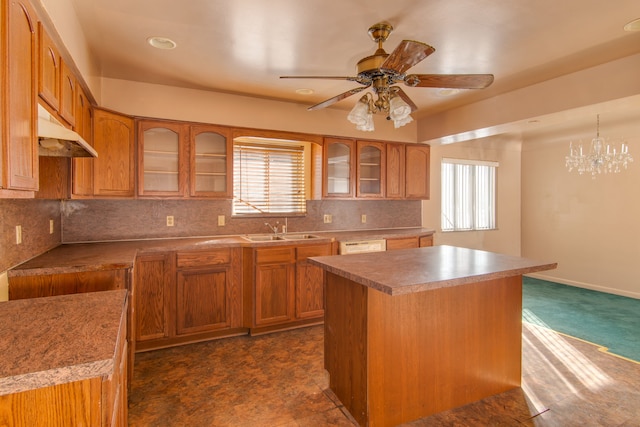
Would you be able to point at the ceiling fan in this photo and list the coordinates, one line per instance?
(381, 71)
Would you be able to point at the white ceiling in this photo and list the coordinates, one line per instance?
(243, 46)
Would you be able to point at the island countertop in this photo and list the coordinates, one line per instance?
(415, 270)
(60, 339)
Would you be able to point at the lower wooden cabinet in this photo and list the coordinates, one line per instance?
(187, 296)
(47, 285)
(282, 290)
(409, 242)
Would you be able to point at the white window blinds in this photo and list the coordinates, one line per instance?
(268, 178)
(468, 195)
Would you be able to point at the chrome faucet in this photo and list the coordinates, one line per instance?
(273, 228)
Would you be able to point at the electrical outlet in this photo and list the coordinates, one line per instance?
(221, 220)
(170, 222)
(363, 218)
(51, 229)
(328, 218)
(18, 234)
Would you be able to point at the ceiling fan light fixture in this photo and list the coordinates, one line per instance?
(304, 91)
(399, 112)
(361, 115)
(161, 43)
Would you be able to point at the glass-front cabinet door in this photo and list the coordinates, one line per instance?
(370, 169)
(338, 168)
(161, 153)
(211, 162)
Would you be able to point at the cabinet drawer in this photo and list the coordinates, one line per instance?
(275, 255)
(203, 258)
(403, 243)
(304, 252)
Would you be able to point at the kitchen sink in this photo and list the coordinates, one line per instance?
(262, 237)
(298, 236)
(273, 237)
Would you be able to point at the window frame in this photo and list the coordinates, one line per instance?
(467, 217)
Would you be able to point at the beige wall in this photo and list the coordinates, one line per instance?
(504, 149)
(590, 227)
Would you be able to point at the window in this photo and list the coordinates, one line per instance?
(468, 195)
(268, 177)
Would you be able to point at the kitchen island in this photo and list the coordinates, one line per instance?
(414, 332)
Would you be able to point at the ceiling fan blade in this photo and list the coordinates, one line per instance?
(405, 98)
(336, 98)
(406, 55)
(453, 81)
(320, 77)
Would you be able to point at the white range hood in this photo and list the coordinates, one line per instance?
(56, 140)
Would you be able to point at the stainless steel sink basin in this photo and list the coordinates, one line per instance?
(262, 237)
(298, 236)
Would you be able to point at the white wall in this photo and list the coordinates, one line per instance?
(590, 227)
(504, 149)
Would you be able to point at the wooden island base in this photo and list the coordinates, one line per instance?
(393, 359)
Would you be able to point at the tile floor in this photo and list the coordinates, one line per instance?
(278, 380)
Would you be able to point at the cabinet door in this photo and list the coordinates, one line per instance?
(113, 139)
(211, 162)
(151, 296)
(309, 282)
(274, 285)
(203, 300)
(49, 69)
(68, 94)
(162, 158)
(426, 241)
(82, 167)
(417, 172)
(394, 188)
(338, 171)
(370, 169)
(20, 154)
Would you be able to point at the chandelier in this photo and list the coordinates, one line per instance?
(602, 157)
(388, 102)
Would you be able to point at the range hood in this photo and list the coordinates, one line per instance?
(55, 140)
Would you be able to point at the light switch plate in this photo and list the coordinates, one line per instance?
(221, 220)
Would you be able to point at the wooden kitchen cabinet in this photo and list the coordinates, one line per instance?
(162, 158)
(46, 285)
(49, 69)
(274, 286)
(370, 169)
(113, 169)
(151, 297)
(417, 171)
(395, 171)
(209, 291)
(210, 162)
(82, 167)
(187, 296)
(338, 168)
(403, 243)
(309, 289)
(426, 241)
(19, 159)
(282, 289)
(68, 94)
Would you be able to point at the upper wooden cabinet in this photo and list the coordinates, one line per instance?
(162, 154)
(417, 171)
(19, 165)
(370, 169)
(82, 167)
(68, 93)
(395, 183)
(113, 139)
(49, 69)
(180, 160)
(339, 168)
(211, 162)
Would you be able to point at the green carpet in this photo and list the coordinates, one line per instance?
(608, 320)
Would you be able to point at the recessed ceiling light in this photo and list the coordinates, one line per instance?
(304, 91)
(448, 92)
(161, 43)
(633, 25)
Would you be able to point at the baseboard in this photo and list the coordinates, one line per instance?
(583, 285)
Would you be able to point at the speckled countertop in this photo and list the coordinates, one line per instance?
(415, 270)
(55, 340)
(71, 258)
